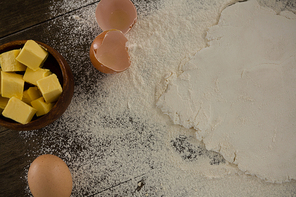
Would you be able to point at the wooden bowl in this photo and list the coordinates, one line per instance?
(58, 65)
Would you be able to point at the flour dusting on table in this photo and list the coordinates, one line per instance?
(112, 136)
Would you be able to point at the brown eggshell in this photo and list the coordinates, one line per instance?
(116, 14)
(108, 52)
(49, 176)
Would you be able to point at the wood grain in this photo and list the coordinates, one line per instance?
(13, 163)
(17, 15)
(33, 19)
(22, 20)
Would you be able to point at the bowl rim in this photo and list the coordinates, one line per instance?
(61, 104)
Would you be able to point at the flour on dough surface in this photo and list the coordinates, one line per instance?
(240, 92)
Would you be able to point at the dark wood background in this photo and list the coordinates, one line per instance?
(49, 21)
(29, 19)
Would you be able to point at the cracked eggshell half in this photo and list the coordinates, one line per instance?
(116, 14)
(108, 52)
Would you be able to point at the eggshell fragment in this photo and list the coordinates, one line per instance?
(116, 14)
(108, 52)
(49, 176)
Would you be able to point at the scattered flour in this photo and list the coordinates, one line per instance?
(239, 93)
(113, 138)
(61, 7)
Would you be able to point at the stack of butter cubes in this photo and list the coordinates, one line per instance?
(22, 66)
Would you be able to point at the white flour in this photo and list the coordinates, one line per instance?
(239, 93)
(113, 137)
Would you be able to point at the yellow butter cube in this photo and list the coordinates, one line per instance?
(0, 80)
(32, 93)
(41, 106)
(18, 111)
(9, 63)
(32, 76)
(32, 55)
(12, 84)
(50, 88)
(3, 102)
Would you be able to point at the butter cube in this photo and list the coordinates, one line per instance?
(18, 111)
(9, 63)
(12, 84)
(3, 102)
(32, 55)
(41, 106)
(50, 88)
(0, 80)
(32, 76)
(32, 93)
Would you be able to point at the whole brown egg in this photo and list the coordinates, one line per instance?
(49, 176)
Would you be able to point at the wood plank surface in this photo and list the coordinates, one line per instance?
(30, 20)
(64, 28)
(13, 162)
(18, 15)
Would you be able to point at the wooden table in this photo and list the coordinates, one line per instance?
(49, 22)
(29, 20)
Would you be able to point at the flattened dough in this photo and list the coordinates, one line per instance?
(240, 92)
